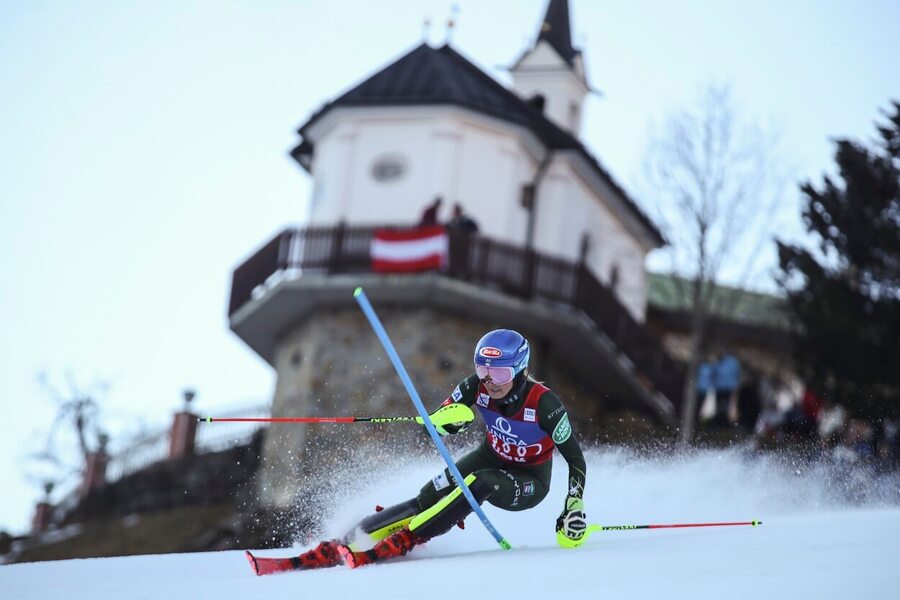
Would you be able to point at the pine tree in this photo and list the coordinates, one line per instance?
(845, 293)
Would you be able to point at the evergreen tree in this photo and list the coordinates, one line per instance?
(845, 293)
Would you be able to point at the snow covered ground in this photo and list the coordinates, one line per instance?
(825, 535)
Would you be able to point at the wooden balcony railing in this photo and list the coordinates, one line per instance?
(514, 270)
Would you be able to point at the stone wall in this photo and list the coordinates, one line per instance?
(334, 365)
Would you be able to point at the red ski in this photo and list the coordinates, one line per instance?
(322, 556)
(266, 566)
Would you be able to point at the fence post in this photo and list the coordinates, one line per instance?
(485, 247)
(529, 273)
(337, 248)
(284, 249)
(94, 472)
(183, 433)
(579, 301)
(43, 514)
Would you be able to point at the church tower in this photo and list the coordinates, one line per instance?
(551, 74)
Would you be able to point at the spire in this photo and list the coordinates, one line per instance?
(555, 29)
(554, 70)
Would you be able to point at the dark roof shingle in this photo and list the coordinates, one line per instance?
(443, 76)
(556, 31)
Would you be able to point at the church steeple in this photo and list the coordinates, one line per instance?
(553, 70)
(556, 31)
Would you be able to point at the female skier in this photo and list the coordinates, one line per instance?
(511, 468)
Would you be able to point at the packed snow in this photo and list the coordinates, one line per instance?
(828, 532)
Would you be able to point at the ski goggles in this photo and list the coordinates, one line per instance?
(498, 375)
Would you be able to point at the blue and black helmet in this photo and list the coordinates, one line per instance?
(503, 348)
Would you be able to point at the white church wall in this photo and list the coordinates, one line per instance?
(345, 186)
(494, 168)
(617, 258)
(443, 152)
(567, 210)
(480, 163)
(560, 215)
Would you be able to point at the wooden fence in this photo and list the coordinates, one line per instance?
(514, 270)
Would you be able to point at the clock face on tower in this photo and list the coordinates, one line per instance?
(387, 168)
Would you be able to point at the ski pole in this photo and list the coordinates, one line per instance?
(452, 413)
(597, 527)
(566, 542)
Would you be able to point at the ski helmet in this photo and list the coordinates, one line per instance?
(503, 350)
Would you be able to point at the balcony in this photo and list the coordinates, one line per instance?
(580, 318)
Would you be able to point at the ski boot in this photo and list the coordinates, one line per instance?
(396, 544)
(323, 555)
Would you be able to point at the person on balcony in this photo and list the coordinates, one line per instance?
(430, 214)
(462, 222)
(461, 228)
(510, 469)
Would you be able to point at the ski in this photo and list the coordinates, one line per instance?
(267, 566)
(322, 556)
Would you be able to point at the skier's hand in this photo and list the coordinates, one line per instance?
(449, 410)
(452, 428)
(572, 522)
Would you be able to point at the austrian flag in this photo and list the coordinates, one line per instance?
(410, 250)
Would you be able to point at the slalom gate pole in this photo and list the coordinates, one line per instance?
(565, 542)
(375, 322)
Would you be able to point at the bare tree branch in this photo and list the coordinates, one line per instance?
(711, 177)
(79, 409)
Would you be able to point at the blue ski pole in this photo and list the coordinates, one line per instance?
(375, 322)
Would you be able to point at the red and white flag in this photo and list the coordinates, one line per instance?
(408, 251)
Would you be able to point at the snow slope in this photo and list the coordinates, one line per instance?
(825, 535)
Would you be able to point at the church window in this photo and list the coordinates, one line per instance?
(388, 168)
(573, 114)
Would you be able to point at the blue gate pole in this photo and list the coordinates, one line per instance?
(375, 322)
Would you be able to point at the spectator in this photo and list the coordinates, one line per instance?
(803, 418)
(812, 405)
(461, 229)
(726, 377)
(704, 384)
(461, 221)
(859, 438)
(771, 417)
(430, 214)
(748, 402)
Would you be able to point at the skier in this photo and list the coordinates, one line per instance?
(511, 468)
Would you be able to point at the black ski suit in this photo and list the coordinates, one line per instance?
(507, 476)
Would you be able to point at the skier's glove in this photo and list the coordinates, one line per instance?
(572, 522)
(452, 428)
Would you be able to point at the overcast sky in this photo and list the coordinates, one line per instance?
(143, 154)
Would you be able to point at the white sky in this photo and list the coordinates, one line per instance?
(143, 154)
